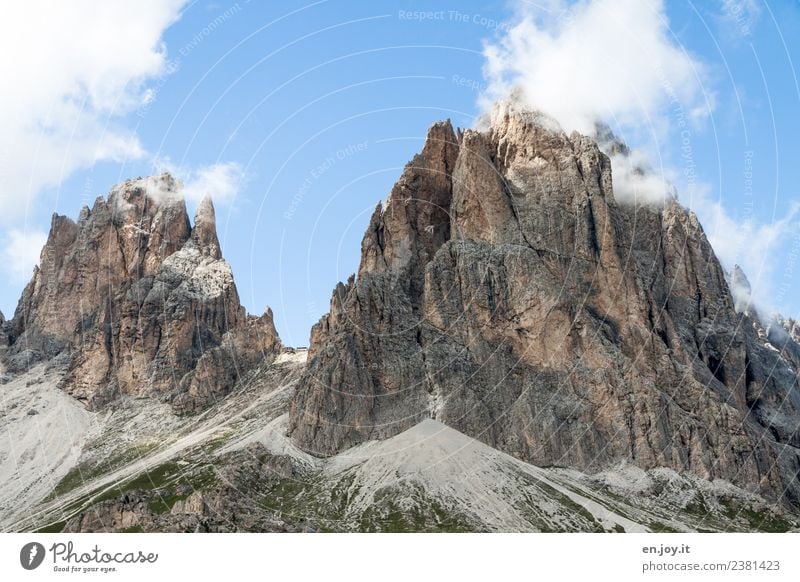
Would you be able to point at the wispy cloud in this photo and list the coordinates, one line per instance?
(617, 63)
(754, 246)
(635, 182)
(740, 16)
(72, 70)
(222, 181)
(20, 253)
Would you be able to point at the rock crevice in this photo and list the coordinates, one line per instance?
(133, 299)
(504, 291)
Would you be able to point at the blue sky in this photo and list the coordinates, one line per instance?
(302, 114)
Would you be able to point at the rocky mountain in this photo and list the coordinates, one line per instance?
(741, 291)
(134, 299)
(3, 336)
(517, 352)
(779, 334)
(233, 469)
(792, 327)
(505, 293)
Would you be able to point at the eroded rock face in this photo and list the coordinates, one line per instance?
(3, 332)
(132, 298)
(230, 503)
(792, 327)
(217, 371)
(504, 292)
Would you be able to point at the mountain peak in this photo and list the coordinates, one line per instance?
(741, 290)
(139, 194)
(133, 297)
(504, 292)
(204, 233)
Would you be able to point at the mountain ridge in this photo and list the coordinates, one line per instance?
(503, 291)
(517, 351)
(132, 298)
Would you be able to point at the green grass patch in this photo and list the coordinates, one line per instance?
(85, 472)
(56, 527)
(658, 527)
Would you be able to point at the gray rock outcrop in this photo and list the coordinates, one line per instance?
(133, 299)
(503, 291)
(230, 503)
(3, 334)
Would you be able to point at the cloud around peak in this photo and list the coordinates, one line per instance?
(615, 61)
(593, 64)
(20, 252)
(220, 181)
(74, 69)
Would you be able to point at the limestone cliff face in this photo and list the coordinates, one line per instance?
(254, 341)
(131, 297)
(504, 292)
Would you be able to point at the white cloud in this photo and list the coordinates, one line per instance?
(754, 246)
(594, 63)
(21, 250)
(71, 70)
(221, 181)
(741, 15)
(636, 183)
(742, 296)
(609, 60)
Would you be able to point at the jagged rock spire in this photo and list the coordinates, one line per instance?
(133, 297)
(550, 321)
(204, 233)
(741, 291)
(415, 222)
